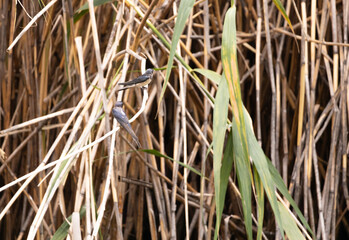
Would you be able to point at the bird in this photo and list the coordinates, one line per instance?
(122, 119)
(140, 81)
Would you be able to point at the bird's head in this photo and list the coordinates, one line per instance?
(118, 104)
(149, 71)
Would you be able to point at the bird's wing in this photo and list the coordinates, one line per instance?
(120, 116)
(122, 119)
(139, 79)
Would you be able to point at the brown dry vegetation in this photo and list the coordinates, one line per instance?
(296, 95)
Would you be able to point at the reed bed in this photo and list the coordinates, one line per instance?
(68, 169)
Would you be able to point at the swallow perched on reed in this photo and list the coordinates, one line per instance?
(122, 119)
(140, 81)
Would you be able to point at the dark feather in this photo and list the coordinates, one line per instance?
(122, 119)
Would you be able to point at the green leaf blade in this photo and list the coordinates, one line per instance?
(184, 10)
(260, 203)
(244, 179)
(211, 75)
(291, 229)
(261, 164)
(220, 115)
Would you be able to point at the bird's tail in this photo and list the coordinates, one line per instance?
(121, 89)
(135, 138)
(138, 143)
(126, 83)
